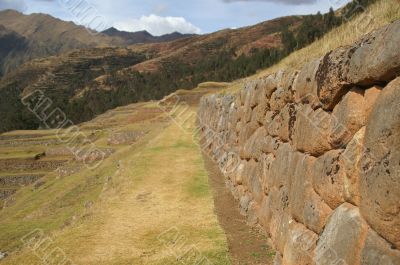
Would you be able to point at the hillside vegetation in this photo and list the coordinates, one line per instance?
(159, 68)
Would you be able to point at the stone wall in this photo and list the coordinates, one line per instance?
(19, 180)
(313, 156)
(20, 164)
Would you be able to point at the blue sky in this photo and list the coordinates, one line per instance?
(165, 16)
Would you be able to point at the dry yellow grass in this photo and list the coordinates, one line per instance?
(116, 213)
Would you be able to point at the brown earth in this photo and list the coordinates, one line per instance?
(247, 246)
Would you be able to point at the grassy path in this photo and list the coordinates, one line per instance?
(162, 190)
(151, 205)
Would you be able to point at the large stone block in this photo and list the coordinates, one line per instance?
(280, 98)
(315, 211)
(300, 245)
(377, 57)
(350, 161)
(247, 131)
(328, 178)
(343, 237)
(258, 114)
(248, 171)
(277, 259)
(282, 125)
(348, 117)
(370, 97)
(264, 89)
(281, 169)
(376, 251)
(285, 80)
(239, 173)
(253, 146)
(270, 145)
(266, 161)
(305, 85)
(301, 186)
(279, 229)
(331, 81)
(265, 213)
(251, 95)
(255, 183)
(247, 114)
(312, 130)
(284, 93)
(269, 118)
(380, 165)
(268, 84)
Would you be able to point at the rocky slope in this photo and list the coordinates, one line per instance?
(313, 155)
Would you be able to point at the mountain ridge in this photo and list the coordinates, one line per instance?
(43, 35)
(144, 36)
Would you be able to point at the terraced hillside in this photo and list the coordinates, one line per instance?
(63, 80)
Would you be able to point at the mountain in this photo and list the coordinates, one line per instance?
(90, 81)
(87, 82)
(40, 35)
(143, 36)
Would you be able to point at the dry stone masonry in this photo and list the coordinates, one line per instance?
(313, 156)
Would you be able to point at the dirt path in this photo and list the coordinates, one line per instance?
(246, 245)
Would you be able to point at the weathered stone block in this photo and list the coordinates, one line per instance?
(255, 184)
(331, 82)
(270, 145)
(370, 97)
(312, 130)
(269, 117)
(281, 171)
(380, 165)
(305, 85)
(377, 57)
(300, 245)
(266, 161)
(277, 259)
(301, 186)
(247, 131)
(253, 146)
(315, 211)
(343, 237)
(348, 117)
(376, 251)
(279, 229)
(248, 171)
(282, 125)
(350, 161)
(328, 178)
(265, 213)
(258, 114)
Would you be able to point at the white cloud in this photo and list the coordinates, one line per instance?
(19, 5)
(158, 25)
